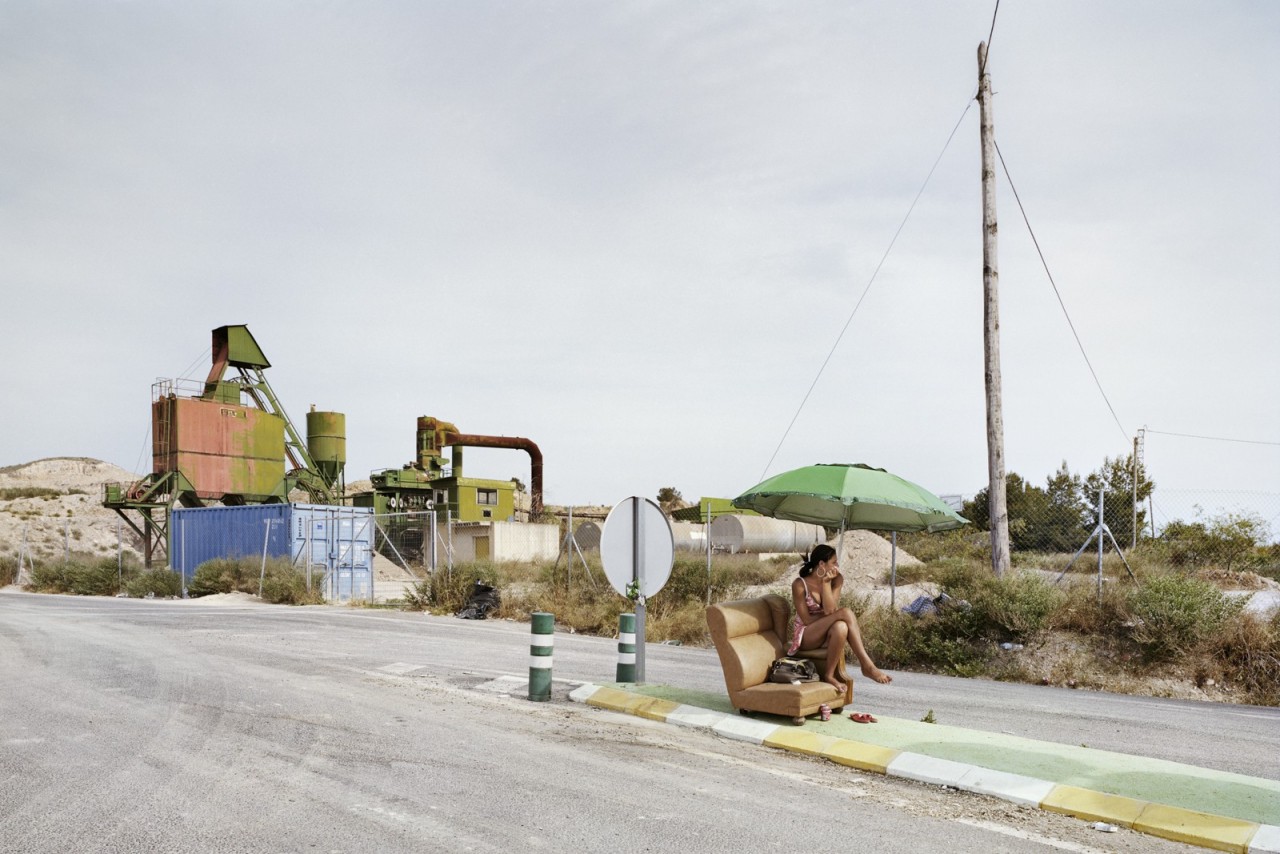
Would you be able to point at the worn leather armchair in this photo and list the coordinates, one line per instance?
(748, 635)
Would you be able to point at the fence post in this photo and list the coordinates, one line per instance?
(626, 671)
(541, 643)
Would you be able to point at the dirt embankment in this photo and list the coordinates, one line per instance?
(55, 504)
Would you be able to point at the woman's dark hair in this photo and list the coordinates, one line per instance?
(818, 555)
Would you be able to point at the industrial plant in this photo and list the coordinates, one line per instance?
(232, 476)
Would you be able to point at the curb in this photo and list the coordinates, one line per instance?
(1220, 833)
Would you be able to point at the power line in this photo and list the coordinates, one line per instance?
(1214, 438)
(990, 35)
(865, 290)
(1058, 294)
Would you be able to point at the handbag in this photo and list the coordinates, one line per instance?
(792, 671)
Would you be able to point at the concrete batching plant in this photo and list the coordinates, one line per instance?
(228, 441)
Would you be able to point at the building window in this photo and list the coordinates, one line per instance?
(487, 496)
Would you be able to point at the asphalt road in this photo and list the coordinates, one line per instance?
(130, 725)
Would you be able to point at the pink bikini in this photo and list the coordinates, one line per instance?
(797, 626)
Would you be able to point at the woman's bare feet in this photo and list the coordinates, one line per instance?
(836, 683)
(876, 674)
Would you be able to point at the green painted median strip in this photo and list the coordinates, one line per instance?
(1204, 790)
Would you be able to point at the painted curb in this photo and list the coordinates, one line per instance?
(692, 716)
(1196, 828)
(1266, 840)
(1205, 830)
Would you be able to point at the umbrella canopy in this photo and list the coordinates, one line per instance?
(850, 496)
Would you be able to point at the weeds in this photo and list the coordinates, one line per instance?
(1248, 650)
(78, 576)
(10, 493)
(1173, 615)
(154, 582)
(417, 597)
(279, 581)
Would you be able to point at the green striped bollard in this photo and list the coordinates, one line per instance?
(540, 646)
(626, 648)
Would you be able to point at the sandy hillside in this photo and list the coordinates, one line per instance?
(74, 515)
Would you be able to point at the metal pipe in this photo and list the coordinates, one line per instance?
(515, 443)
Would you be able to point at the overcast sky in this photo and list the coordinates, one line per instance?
(632, 232)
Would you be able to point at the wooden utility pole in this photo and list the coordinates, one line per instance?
(997, 506)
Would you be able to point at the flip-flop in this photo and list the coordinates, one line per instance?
(862, 718)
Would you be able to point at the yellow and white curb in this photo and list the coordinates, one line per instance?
(1219, 833)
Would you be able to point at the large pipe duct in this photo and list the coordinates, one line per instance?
(435, 435)
(470, 440)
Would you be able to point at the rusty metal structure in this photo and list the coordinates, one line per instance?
(434, 481)
(228, 441)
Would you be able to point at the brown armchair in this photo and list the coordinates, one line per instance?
(749, 635)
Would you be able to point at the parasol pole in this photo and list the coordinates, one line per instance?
(840, 542)
(893, 571)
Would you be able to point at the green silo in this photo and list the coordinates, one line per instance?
(327, 443)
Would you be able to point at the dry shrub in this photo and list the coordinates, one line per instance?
(154, 582)
(1017, 607)
(1173, 615)
(959, 544)
(1247, 649)
(1082, 611)
(80, 576)
(280, 582)
(8, 570)
(944, 643)
(683, 625)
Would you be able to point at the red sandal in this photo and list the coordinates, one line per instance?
(862, 718)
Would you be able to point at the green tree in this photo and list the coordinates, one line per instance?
(1027, 506)
(1065, 525)
(1231, 540)
(670, 499)
(1115, 480)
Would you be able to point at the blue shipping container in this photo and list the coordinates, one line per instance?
(333, 545)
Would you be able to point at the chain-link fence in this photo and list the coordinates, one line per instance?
(423, 542)
(1178, 527)
(1186, 528)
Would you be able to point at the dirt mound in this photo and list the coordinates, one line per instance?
(865, 560)
(63, 474)
(55, 504)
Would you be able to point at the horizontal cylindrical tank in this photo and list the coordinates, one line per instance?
(685, 536)
(736, 533)
(689, 536)
(587, 535)
(327, 442)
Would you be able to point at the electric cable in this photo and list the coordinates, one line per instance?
(1214, 438)
(1058, 294)
(866, 290)
(990, 35)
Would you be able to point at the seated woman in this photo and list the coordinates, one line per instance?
(820, 621)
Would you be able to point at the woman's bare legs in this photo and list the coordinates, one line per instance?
(868, 666)
(818, 633)
(837, 636)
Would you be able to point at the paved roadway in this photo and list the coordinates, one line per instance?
(130, 725)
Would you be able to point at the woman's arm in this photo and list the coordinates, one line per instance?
(831, 601)
(798, 600)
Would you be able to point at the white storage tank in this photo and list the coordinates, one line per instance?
(587, 535)
(689, 536)
(763, 534)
